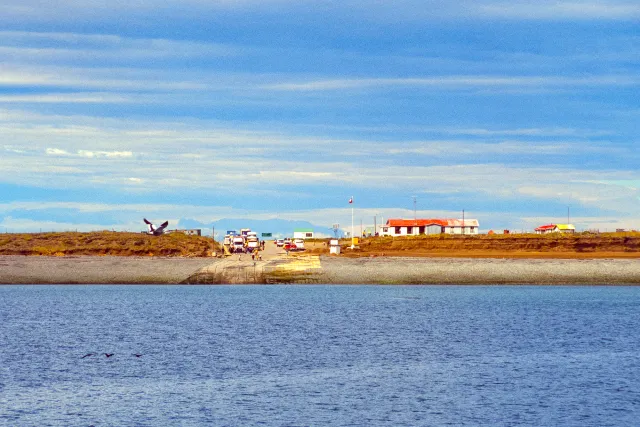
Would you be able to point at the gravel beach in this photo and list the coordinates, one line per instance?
(97, 269)
(480, 271)
(330, 270)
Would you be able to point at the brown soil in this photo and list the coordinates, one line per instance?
(577, 246)
(105, 243)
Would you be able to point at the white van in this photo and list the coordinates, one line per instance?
(299, 244)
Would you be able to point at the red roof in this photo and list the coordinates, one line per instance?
(546, 227)
(422, 222)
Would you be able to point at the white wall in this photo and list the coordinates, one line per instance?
(468, 230)
(302, 235)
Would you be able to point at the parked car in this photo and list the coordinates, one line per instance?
(279, 242)
(299, 243)
(290, 247)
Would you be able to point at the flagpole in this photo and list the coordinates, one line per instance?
(352, 236)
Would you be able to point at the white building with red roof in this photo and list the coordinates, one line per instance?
(420, 226)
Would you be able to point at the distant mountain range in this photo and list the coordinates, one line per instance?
(278, 227)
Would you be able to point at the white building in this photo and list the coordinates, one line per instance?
(416, 227)
(303, 233)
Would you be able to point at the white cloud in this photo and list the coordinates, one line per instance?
(87, 153)
(456, 149)
(104, 44)
(139, 157)
(56, 152)
(444, 82)
(71, 98)
(561, 10)
(525, 132)
(96, 78)
(398, 11)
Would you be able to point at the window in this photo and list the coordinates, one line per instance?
(308, 235)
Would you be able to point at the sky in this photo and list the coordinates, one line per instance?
(517, 112)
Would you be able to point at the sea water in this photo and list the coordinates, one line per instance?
(319, 355)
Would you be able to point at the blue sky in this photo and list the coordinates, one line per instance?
(203, 110)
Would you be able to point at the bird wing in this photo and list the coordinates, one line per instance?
(152, 229)
(163, 225)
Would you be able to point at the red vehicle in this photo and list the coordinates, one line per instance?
(290, 247)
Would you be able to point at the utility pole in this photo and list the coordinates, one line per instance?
(353, 245)
(375, 225)
(415, 218)
(463, 222)
(568, 220)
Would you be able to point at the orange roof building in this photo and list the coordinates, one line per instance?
(415, 227)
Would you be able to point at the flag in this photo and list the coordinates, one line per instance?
(351, 200)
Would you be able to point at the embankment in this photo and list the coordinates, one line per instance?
(316, 269)
(550, 246)
(97, 269)
(105, 243)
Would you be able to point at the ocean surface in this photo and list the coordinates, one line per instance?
(319, 355)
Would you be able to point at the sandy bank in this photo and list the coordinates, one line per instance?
(324, 269)
(97, 269)
(480, 271)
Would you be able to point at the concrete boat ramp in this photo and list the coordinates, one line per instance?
(242, 269)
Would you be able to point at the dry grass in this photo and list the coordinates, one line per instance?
(579, 245)
(105, 243)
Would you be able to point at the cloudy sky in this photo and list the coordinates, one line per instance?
(512, 110)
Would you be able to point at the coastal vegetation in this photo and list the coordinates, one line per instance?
(105, 243)
(555, 245)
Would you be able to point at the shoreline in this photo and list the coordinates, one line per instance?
(17, 269)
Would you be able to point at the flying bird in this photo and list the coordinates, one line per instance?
(153, 230)
(137, 355)
(108, 354)
(87, 355)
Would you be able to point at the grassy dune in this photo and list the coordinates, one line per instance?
(579, 245)
(105, 243)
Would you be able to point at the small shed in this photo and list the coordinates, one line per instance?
(334, 247)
